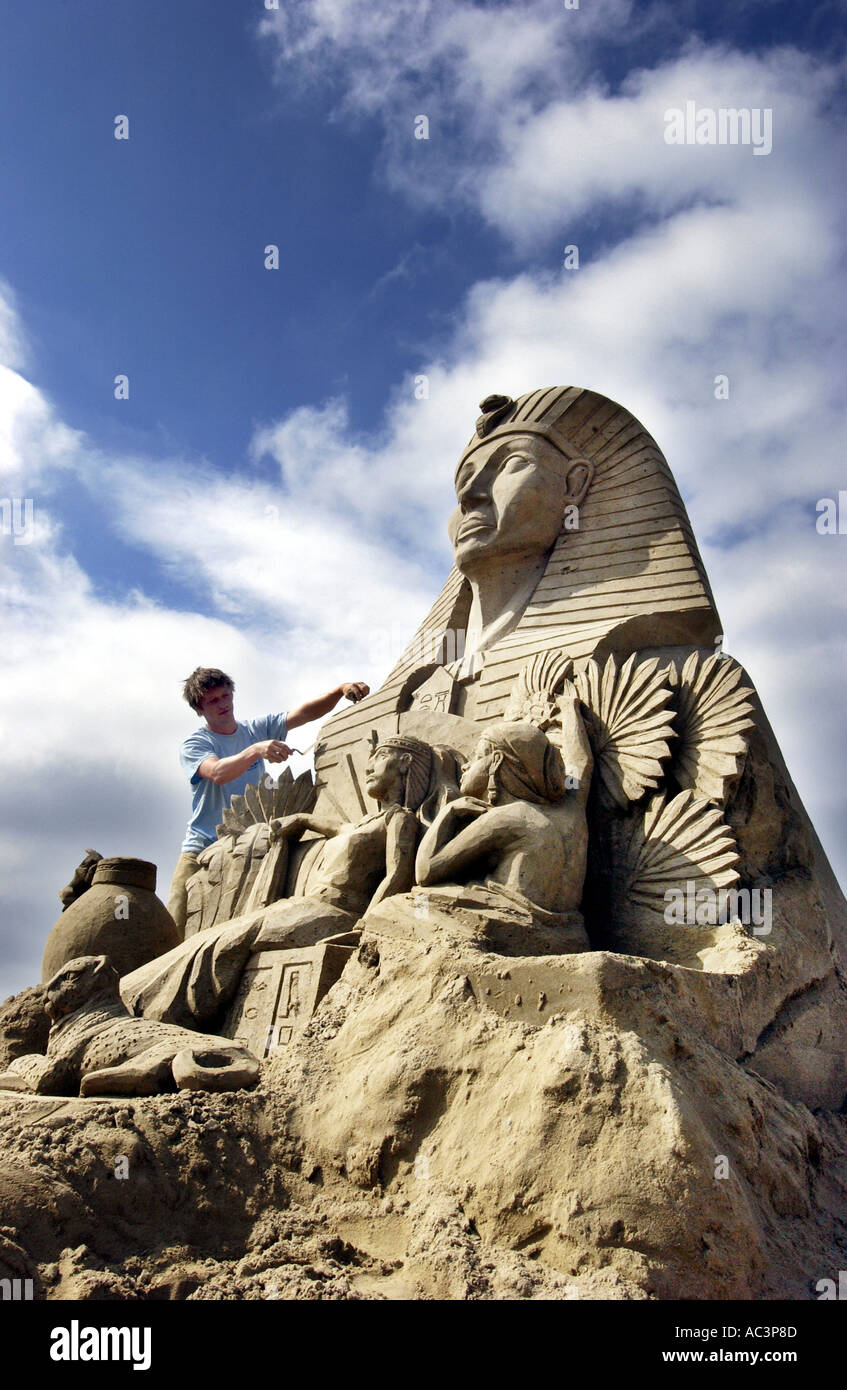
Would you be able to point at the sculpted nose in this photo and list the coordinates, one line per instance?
(474, 489)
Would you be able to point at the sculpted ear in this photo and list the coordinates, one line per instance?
(102, 972)
(578, 480)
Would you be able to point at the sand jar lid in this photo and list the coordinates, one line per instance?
(132, 873)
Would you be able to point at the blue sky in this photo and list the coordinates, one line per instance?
(149, 252)
(272, 459)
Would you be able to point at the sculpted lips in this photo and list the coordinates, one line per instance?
(472, 526)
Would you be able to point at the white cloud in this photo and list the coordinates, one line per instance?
(589, 148)
(523, 127)
(13, 345)
(291, 599)
(284, 561)
(31, 439)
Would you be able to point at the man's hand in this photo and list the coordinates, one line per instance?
(223, 770)
(272, 750)
(355, 690)
(316, 709)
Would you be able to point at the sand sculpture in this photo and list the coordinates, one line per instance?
(97, 1047)
(359, 864)
(580, 975)
(101, 898)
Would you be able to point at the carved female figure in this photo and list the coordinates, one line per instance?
(504, 830)
(362, 863)
(359, 863)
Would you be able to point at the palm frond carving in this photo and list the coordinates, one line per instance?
(263, 803)
(714, 718)
(629, 725)
(534, 692)
(676, 842)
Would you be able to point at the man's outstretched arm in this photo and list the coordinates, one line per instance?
(315, 709)
(223, 770)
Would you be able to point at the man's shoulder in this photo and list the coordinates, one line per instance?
(196, 748)
(199, 737)
(266, 725)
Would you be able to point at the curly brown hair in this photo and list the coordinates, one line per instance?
(204, 679)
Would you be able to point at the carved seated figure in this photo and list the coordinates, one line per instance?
(513, 843)
(97, 1048)
(357, 865)
(372, 859)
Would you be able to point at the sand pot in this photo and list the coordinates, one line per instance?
(119, 916)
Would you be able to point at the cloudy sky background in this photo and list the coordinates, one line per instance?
(272, 498)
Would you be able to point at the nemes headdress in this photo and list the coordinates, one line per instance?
(538, 412)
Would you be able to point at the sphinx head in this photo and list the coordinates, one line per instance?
(514, 485)
(79, 981)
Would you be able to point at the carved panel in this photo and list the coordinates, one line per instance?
(279, 992)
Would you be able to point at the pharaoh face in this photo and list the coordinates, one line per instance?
(512, 493)
(385, 774)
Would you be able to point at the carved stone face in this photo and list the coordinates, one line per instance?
(78, 980)
(512, 494)
(475, 776)
(385, 774)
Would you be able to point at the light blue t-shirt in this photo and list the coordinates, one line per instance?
(210, 800)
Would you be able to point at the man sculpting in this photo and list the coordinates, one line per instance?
(225, 755)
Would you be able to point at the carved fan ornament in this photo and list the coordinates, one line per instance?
(676, 842)
(629, 714)
(629, 725)
(534, 694)
(713, 720)
(261, 803)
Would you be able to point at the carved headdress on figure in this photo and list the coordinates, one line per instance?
(628, 577)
